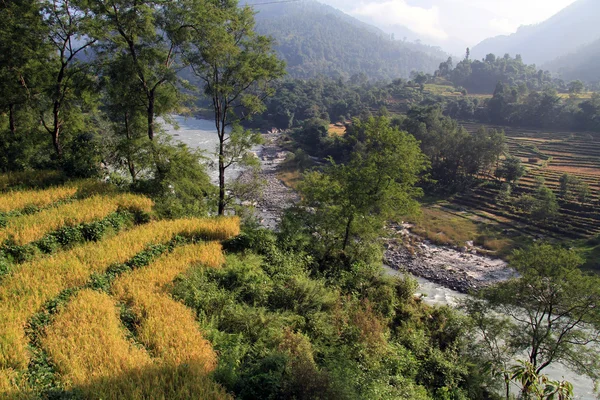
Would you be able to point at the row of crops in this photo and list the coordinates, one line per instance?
(94, 318)
(548, 155)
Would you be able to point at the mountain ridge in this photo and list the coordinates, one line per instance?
(572, 27)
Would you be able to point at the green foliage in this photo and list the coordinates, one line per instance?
(483, 76)
(235, 67)
(347, 205)
(511, 170)
(538, 386)
(551, 315)
(283, 332)
(180, 186)
(68, 236)
(457, 157)
(573, 188)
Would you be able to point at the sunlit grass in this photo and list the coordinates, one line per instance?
(168, 328)
(31, 284)
(95, 360)
(17, 200)
(28, 228)
(87, 341)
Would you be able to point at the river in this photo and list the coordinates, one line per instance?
(201, 134)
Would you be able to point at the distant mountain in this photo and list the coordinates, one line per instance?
(316, 39)
(574, 26)
(583, 64)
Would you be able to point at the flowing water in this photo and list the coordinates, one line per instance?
(201, 134)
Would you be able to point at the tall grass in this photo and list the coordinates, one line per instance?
(95, 359)
(31, 284)
(87, 341)
(18, 200)
(29, 178)
(28, 228)
(166, 327)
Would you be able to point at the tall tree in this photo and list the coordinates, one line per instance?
(352, 201)
(236, 67)
(70, 34)
(148, 33)
(23, 49)
(553, 312)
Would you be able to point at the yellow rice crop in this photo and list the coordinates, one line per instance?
(23, 292)
(28, 177)
(28, 228)
(20, 199)
(92, 354)
(87, 341)
(168, 328)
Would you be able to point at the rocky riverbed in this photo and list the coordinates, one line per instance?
(463, 269)
(276, 196)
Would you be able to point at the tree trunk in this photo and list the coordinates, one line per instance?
(130, 163)
(221, 175)
(151, 116)
(347, 234)
(56, 142)
(56, 130)
(11, 120)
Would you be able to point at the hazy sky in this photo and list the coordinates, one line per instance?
(469, 21)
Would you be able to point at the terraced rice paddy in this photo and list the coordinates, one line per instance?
(547, 155)
(88, 347)
(28, 228)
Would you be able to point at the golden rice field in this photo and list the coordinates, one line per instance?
(92, 352)
(167, 328)
(28, 228)
(23, 292)
(18, 200)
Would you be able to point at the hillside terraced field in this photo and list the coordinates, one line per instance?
(547, 155)
(97, 320)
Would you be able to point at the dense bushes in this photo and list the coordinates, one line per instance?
(285, 331)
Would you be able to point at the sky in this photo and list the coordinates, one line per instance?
(444, 21)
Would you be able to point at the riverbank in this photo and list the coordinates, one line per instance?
(463, 270)
(276, 196)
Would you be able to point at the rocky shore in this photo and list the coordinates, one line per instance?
(276, 196)
(463, 270)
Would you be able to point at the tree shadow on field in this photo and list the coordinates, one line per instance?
(161, 382)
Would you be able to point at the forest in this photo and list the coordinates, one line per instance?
(127, 273)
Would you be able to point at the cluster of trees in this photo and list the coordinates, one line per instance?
(543, 109)
(482, 76)
(549, 315)
(286, 327)
(91, 79)
(297, 102)
(457, 157)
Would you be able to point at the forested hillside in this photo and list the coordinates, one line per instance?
(581, 64)
(571, 28)
(316, 39)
